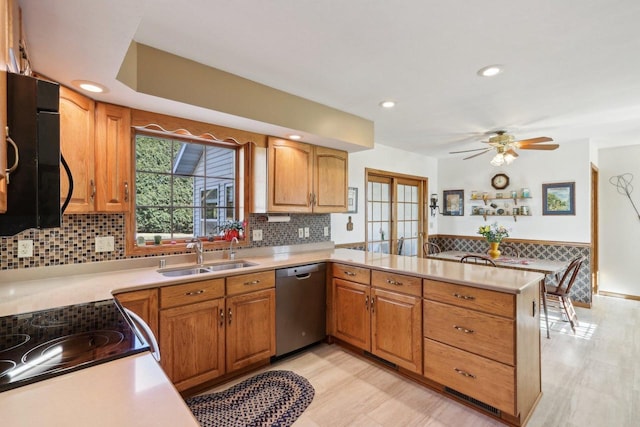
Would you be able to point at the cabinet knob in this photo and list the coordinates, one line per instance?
(126, 191)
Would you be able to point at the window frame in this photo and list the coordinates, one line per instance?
(243, 181)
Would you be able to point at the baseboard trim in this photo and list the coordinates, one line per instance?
(619, 295)
(581, 304)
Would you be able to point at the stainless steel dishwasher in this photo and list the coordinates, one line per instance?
(300, 307)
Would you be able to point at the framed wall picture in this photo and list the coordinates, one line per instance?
(453, 202)
(352, 200)
(559, 199)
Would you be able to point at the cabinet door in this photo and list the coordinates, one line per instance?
(3, 140)
(352, 322)
(192, 342)
(330, 180)
(396, 326)
(77, 147)
(290, 176)
(113, 157)
(144, 303)
(251, 328)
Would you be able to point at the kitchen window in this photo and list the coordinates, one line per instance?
(185, 187)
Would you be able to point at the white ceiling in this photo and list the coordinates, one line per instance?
(571, 68)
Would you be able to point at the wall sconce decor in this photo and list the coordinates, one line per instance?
(434, 204)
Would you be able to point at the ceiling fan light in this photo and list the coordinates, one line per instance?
(508, 158)
(498, 160)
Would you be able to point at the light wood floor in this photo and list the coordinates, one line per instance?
(591, 378)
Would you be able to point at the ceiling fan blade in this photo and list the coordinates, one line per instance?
(535, 140)
(512, 152)
(540, 147)
(478, 154)
(466, 151)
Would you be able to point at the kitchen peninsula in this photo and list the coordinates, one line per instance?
(506, 298)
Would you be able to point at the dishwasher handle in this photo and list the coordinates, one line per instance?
(146, 331)
(301, 272)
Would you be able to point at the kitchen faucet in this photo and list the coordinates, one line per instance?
(197, 244)
(232, 253)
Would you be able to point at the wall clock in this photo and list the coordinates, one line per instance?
(500, 181)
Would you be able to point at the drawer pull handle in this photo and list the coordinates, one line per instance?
(349, 273)
(373, 301)
(366, 302)
(467, 297)
(461, 329)
(194, 293)
(221, 317)
(253, 282)
(393, 282)
(229, 316)
(464, 373)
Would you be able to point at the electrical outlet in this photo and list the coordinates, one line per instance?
(326, 231)
(306, 232)
(257, 235)
(105, 244)
(25, 248)
(301, 233)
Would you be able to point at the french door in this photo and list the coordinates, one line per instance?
(395, 215)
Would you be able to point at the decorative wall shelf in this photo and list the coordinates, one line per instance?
(495, 204)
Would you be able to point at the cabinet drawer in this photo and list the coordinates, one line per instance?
(172, 296)
(351, 273)
(397, 282)
(486, 380)
(483, 334)
(492, 302)
(250, 282)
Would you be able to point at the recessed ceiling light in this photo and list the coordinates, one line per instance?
(90, 86)
(295, 137)
(388, 104)
(490, 70)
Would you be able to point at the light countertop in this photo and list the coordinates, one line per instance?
(134, 391)
(27, 291)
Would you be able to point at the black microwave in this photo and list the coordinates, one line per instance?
(33, 155)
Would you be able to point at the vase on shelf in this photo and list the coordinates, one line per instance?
(494, 253)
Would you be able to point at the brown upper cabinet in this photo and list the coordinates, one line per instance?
(95, 140)
(304, 178)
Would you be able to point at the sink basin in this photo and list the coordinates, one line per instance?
(184, 271)
(208, 268)
(230, 265)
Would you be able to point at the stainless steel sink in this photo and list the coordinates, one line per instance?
(229, 265)
(207, 268)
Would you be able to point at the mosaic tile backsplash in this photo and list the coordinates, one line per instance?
(74, 241)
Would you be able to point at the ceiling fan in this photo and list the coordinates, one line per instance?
(506, 145)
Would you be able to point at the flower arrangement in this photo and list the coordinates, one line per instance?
(233, 225)
(493, 232)
(233, 229)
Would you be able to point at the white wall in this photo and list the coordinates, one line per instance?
(569, 163)
(619, 223)
(384, 158)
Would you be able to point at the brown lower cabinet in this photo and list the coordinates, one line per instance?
(192, 347)
(475, 345)
(385, 323)
(144, 303)
(484, 346)
(209, 328)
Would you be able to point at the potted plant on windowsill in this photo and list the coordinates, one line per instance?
(233, 229)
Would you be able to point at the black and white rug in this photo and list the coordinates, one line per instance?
(273, 398)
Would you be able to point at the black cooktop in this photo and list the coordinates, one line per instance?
(42, 344)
